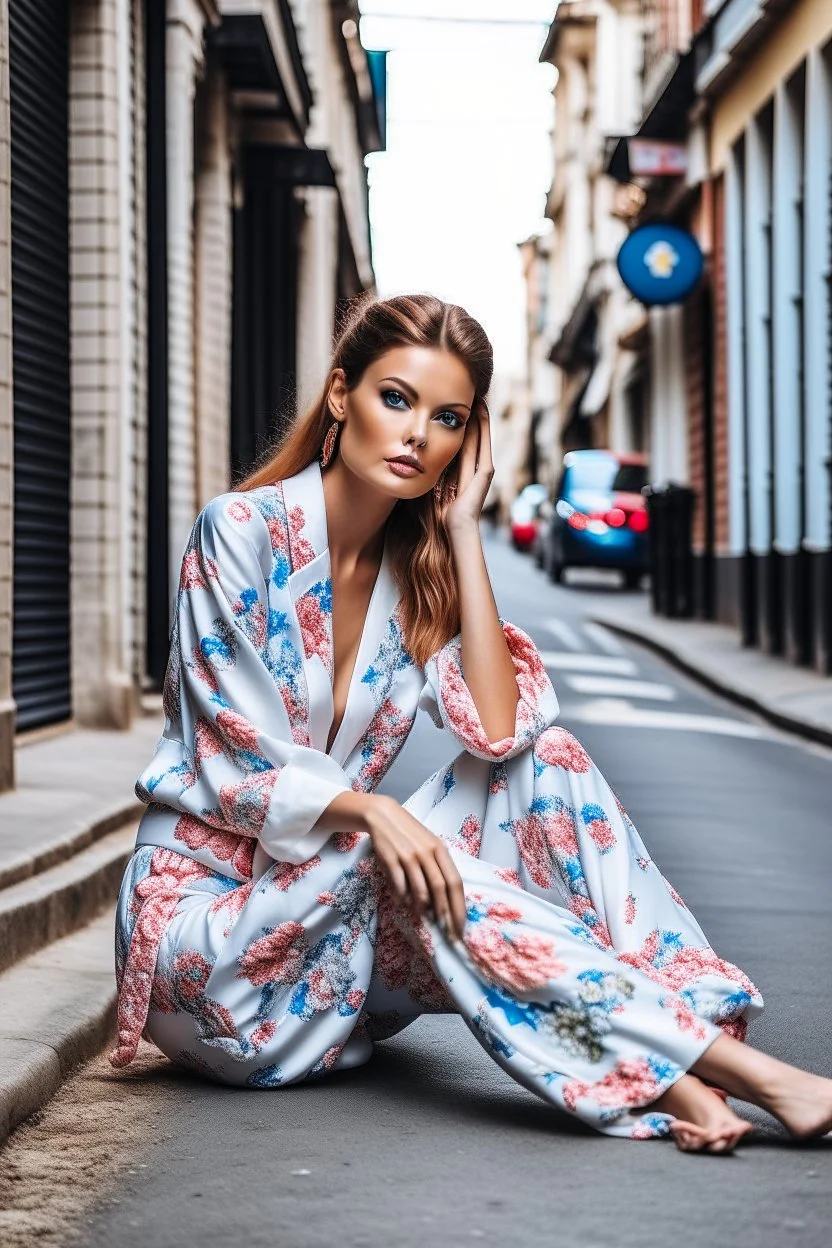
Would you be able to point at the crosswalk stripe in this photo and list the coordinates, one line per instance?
(619, 713)
(622, 688)
(603, 638)
(564, 633)
(562, 659)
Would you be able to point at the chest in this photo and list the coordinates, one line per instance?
(350, 602)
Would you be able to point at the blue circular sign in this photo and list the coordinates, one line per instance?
(660, 263)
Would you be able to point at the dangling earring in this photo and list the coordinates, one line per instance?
(437, 489)
(328, 447)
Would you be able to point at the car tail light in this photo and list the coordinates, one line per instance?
(615, 517)
(638, 521)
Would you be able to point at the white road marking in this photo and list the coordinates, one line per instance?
(604, 639)
(622, 688)
(565, 633)
(621, 714)
(588, 662)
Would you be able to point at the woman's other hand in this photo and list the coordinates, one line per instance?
(417, 863)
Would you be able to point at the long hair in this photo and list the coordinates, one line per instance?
(421, 557)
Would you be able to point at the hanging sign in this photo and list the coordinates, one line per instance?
(660, 263)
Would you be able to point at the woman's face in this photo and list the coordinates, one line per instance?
(411, 400)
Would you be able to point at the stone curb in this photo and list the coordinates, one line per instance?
(57, 1010)
(716, 679)
(79, 838)
(49, 906)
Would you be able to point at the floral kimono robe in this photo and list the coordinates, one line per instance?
(259, 948)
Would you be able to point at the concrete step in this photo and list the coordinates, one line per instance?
(54, 903)
(57, 1009)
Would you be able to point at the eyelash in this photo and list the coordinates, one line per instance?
(396, 408)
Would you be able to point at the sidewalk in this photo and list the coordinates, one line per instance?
(794, 698)
(66, 833)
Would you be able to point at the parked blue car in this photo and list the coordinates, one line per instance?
(597, 517)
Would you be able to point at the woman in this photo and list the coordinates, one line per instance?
(278, 916)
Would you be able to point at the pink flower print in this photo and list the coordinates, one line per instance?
(263, 1033)
(203, 670)
(244, 805)
(516, 960)
(190, 971)
(239, 511)
(275, 957)
(288, 872)
(630, 909)
(427, 989)
(240, 731)
(191, 575)
(385, 735)
(644, 863)
(509, 876)
(469, 836)
(532, 844)
(225, 846)
(560, 748)
(560, 831)
(677, 966)
(586, 912)
(686, 1020)
(207, 742)
(633, 1081)
(314, 612)
(231, 902)
(251, 617)
(498, 781)
(329, 1058)
(345, 842)
(598, 826)
(158, 894)
(355, 998)
(674, 894)
(302, 550)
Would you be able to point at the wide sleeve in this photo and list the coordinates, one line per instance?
(450, 704)
(227, 755)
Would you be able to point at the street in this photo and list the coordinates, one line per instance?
(431, 1143)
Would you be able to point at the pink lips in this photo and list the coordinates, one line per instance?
(402, 470)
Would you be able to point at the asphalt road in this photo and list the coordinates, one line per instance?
(431, 1143)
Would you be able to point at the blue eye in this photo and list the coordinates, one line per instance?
(458, 424)
(385, 395)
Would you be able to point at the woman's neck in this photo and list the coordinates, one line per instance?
(356, 516)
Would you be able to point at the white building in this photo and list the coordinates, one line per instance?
(185, 202)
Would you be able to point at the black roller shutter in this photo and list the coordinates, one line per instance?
(40, 327)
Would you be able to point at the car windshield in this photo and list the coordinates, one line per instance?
(607, 476)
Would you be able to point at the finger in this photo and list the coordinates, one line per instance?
(468, 455)
(394, 872)
(439, 893)
(455, 887)
(418, 888)
(486, 458)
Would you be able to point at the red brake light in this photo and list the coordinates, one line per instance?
(615, 517)
(639, 521)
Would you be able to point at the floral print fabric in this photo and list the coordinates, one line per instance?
(261, 949)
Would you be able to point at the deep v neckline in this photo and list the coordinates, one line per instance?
(330, 746)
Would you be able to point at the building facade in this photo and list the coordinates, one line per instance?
(184, 204)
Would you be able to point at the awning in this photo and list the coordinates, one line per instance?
(666, 120)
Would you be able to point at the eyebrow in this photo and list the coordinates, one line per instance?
(406, 386)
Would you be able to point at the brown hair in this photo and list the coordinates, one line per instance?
(421, 558)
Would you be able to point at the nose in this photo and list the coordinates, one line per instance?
(419, 428)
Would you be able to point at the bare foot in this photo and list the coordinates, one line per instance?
(702, 1120)
(803, 1103)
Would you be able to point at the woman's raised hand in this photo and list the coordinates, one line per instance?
(476, 471)
(417, 863)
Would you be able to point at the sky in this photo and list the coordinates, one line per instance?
(468, 160)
